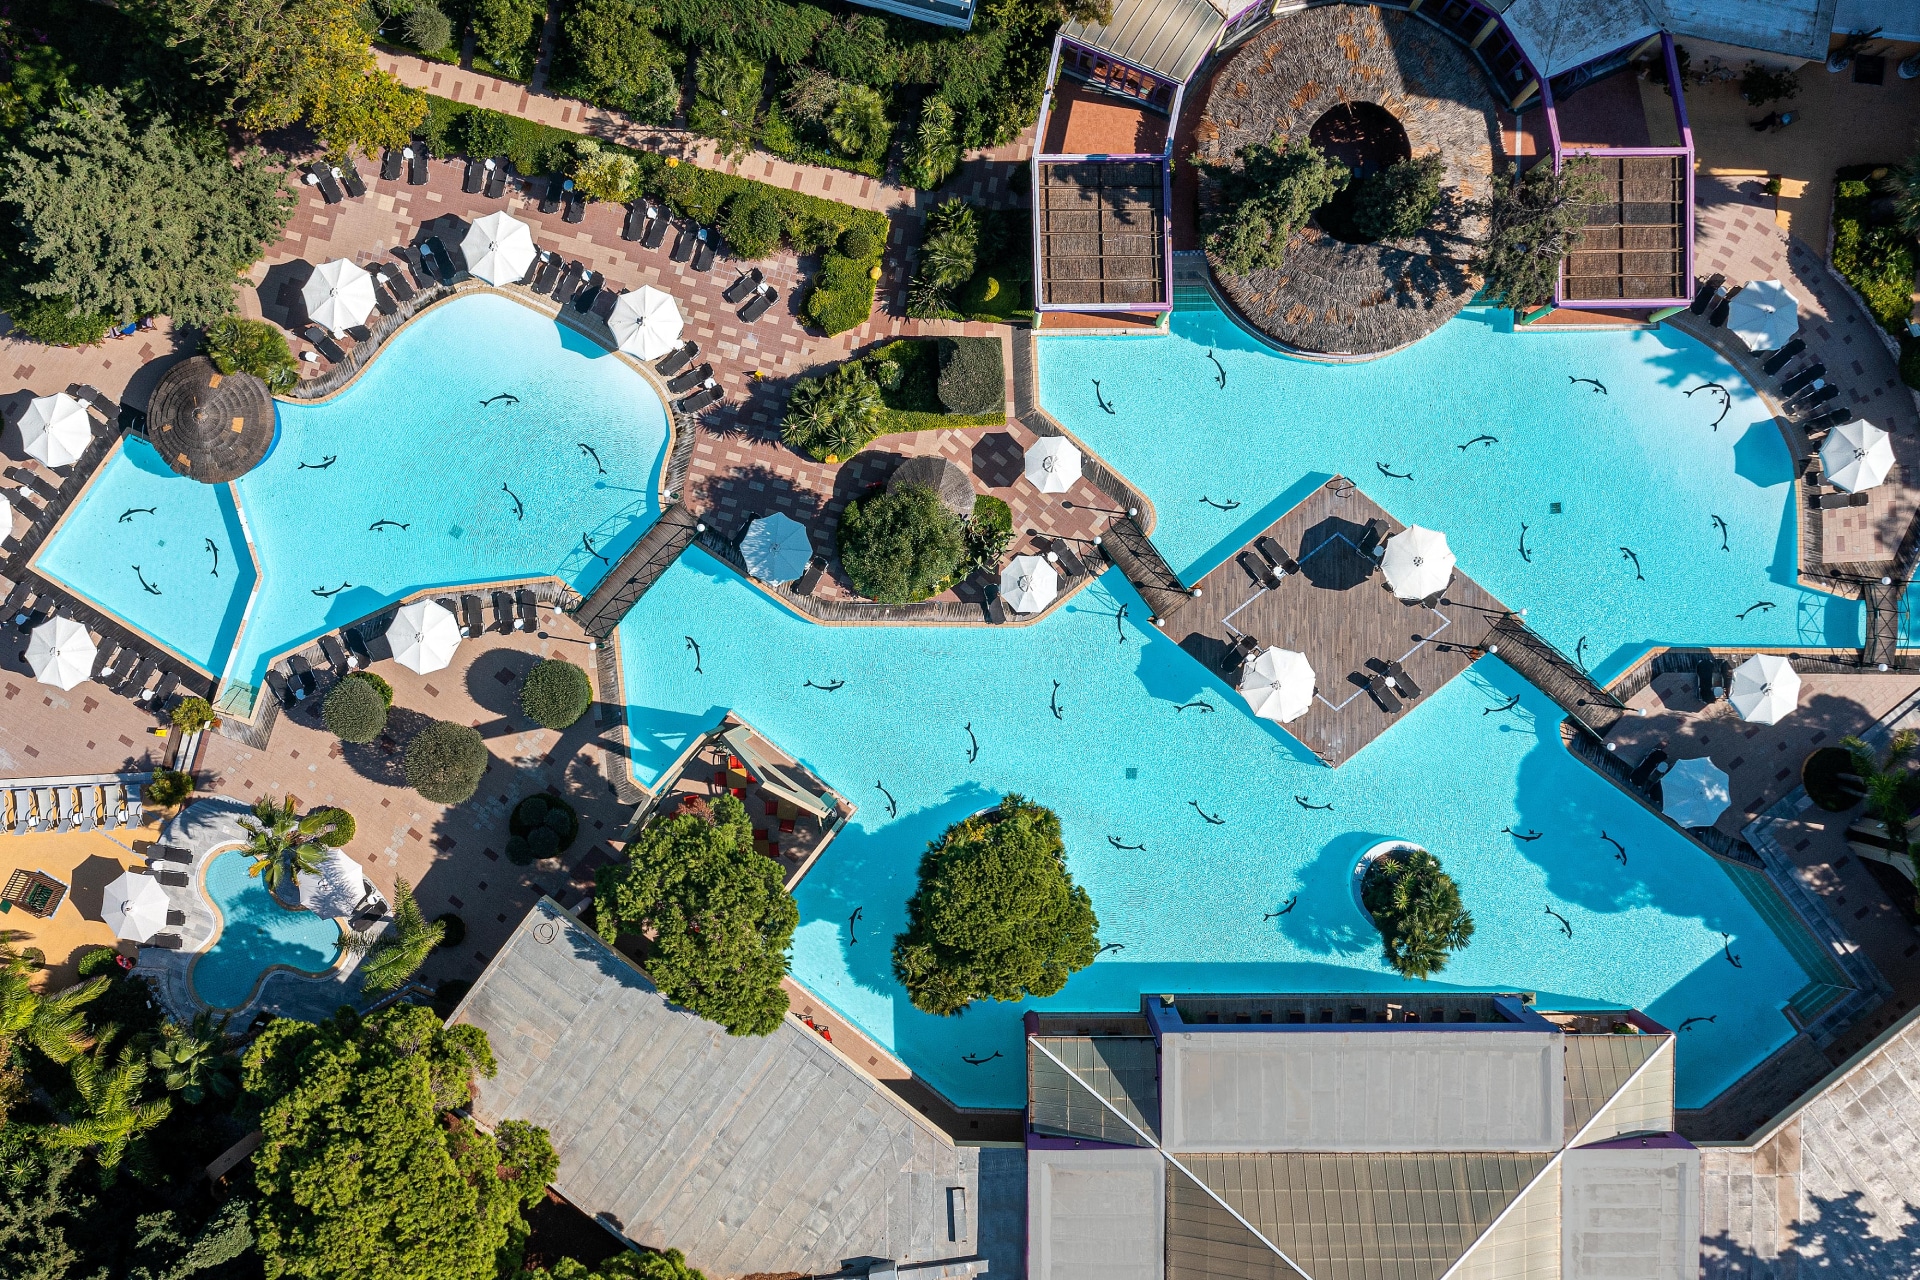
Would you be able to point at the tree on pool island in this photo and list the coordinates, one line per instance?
(397, 954)
(282, 844)
(1416, 906)
(997, 915)
(445, 761)
(717, 912)
(1263, 202)
(900, 546)
(1532, 222)
(364, 1171)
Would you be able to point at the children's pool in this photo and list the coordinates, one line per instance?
(257, 934)
(1260, 901)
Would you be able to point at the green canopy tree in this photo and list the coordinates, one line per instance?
(1266, 199)
(1417, 908)
(361, 1171)
(610, 55)
(397, 954)
(900, 546)
(283, 844)
(997, 915)
(130, 222)
(193, 1060)
(670, 1265)
(1532, 223)
(112, 1115)
(718, 913)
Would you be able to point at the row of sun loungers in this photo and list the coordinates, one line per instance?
(123, 666)
(331, 180)
(411, 158)
(86, 807)
(490, 174)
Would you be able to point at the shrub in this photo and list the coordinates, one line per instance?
(427, 29)
(604, 173)
(1532, 222)
(448, 995)
(996, 915)
(169, 787)
(1760, 85)
(193, 715)
(1876, 259)
(1417, 908)
(444, 762)
(56, 322)
(542, 842)
(354, 710)
(900, 546)
(608, 55)
(934, 153)
(842, 296)
(379, 682)
(859, 244)
(251, 346)
(481, 133)
(727, 105)
(751, 223)
(556, 694)
(517, 851)
(454, 930)
(340, 826)
(1398, 201)
(988, 532)
(530, 812)
(972, 377)
(97, 961)
(857, 121)
(505, 33)
(539, 813)
(1261, 203)
(833, 416)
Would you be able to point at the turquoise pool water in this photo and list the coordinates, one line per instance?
(1641, 467)
(406, 481)
(1191, 910)
(256, 934)
(140, 526)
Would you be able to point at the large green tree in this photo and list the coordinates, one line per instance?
(1532, 224)
(718, 916)
(997, 915)
(900, 546)
(1418, 910)
(1263, 201)
(129, 221)
(609, 54)
(362, 1171)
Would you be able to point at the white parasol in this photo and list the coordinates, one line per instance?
(1417, 563)
(646, 323)
(1029, 584)
(61, 653)
(335, 889)
(1765, 689)
(1856, 456)
(55, 429)
(135, 907)
(1763, 315)
(498, 248)
(1053, 464)
(424, 636)
(1694, 792)
(339, 295)
(776, 548)
(1278, 685)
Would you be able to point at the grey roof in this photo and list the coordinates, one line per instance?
(1404, 1216)
(1167, 37)
(1095, 1214)
(1796, 28)
(1893, 19)
(1205, 1241)
(747, 1153)
(1068, 1076)
(1597, 1065)
(1380, 1089)
(1558, 35)
(1630, 1212)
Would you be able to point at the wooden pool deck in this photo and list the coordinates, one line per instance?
(1338, 612)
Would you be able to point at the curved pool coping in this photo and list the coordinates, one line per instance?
(204, 865)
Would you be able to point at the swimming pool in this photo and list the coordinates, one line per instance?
(1195, 910)
(256, 934)
(485, 442)
(1485, 431)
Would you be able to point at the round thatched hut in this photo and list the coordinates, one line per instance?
(210, 426)
(948, 480)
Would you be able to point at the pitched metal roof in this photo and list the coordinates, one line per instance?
(1597, 1065)
(1095, 1214)
(1206, 1242)
(1067, 1076)
(1170, 38)
(1558, 35)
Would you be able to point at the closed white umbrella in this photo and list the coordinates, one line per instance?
(339, 295)
(498, 248)
(335, 889)
(423, 636)
(1053, 464)
(135, 907)
(61, 653)
(776, 548)
(1278, 685)
(1029, 584)
(1694, 792)
(55, 429)
(1856, 456)
(646, 323)
(1765, 689)
(1417, 563)
(1763, 315)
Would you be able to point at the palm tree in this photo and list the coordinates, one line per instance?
(1885, 779)
(1418, 909)
(114, 1117)
(282, 844)
(50, 1022)
(397, 954)
(1903, 184)
(193, 1060)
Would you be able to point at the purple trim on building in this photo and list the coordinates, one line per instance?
(1649, 1141)
(1625, 151)
(1679, 96)
(1046, 1142)
(1553, 121)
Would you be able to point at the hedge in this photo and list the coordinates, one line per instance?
(354, 710)
(556, 694)
(342, 823)
(972, 377)
(842, 296)
(444, 762)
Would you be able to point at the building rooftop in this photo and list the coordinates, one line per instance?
(1169, 38)
(1559, 35)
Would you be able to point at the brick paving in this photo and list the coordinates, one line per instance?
(47, 733)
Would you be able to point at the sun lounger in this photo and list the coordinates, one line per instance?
(471, 616)
(357, 655)
(1708, 681)
(167, 853)
(390, 164)
(1817, 397)
(529, 609)
(1828, 421)
(1375, 536)
(300, 671)
(22, 811)
(690, 379)
(418, 266)
(175, 879)
(1063, 551)
(635, 223)
(569, 281)
(1257, 568)
(1859, 499)
(549, 273)
(155, 695)
(703, 250)
(281, 690)
(503, 619)
(1401, 680)
(762, 303)
(349, 178)
(676, 360)
(1274, 556)
(475, 178)
(1783, 357)
(448, 265)
(747, 283)
(64, 806)
(497, 177)
(136, 683)
(996, 607)
(590, 282)
(113, 801)
(576, 206)
(656, 227)
(532, 272)
(1805, 378)
(319, 175)
(417, 158)
(45, 816)
(333, 655)
(1717, 318)
(550, 195)
(136, 809)
(811, 578)
(96, 811)
(707, 395)
(683, 244)
(1704, 298)
(1383, 695)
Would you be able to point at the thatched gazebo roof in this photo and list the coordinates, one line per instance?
(948, 480)
(210, 426)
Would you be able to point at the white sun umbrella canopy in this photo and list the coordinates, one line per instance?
(55, 429)
(1417, 563)
(1278, 685)
(1029, 584)
(646, 323)
(1765, 689)
(335, 889)
(134, 907)
(776, 548)
(498, 248)
(339, 295)
(424, 636)
(1856, 456)
(1053, 464)
(61, 653)
(1763, 315)
(1694, 792)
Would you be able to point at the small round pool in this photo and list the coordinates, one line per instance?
(257, 935)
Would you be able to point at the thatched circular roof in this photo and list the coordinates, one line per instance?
(210, 426)
(1332, 296)
(948, 480)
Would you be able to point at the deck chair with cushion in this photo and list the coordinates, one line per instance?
(64, 806)
(676, 360)
(548, 275)
(470, 615)
(683, 244)
(1383, 695)
(417, 157)
(496, 177)
(356, 645)
(1783, 357)
(690, 379)
(656, 227)
(282, 691)
(703, 250)
(448, 265)
(349, 177)
(569, 281)
(811, 578)
(529, 609)
(1834, 501)
(576, 206)
(1279, 559)
(136, 810)
(701, 399)
(114, 805)
(1374, 538)
(762, 303)
(1257, 568)
(503, 620)
(475, 177)
(635, 224)
(1401, 680)
(96, 811)
(24, 819)
(746, 283)
(590, 284)
(550, 196)
(1063, 550)
(390, 164)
